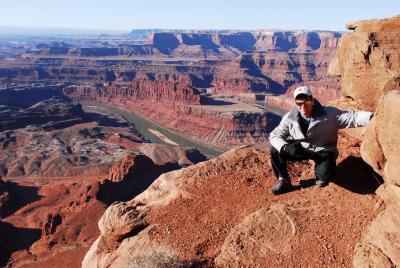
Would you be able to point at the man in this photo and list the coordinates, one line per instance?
(309, 131)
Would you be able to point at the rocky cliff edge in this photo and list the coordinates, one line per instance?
(369, 65)
(218, 213)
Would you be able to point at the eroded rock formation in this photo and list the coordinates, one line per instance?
(42, 133)
(60, 216)
(368, 55)
(173, 97)
(368, 63)
(163, 75)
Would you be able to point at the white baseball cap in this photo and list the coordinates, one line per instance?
(302, 90)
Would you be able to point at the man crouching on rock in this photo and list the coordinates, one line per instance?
(310, 131)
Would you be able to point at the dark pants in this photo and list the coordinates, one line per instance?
(325, 163)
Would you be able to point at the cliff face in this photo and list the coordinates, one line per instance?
(161, 101)
(266, 61)
(368, 62)
(373, 59)
(287, 41)
(163, 89)
(166, 90)
(298, 41)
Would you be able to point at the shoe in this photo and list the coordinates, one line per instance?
(281, 187)
(320, 183)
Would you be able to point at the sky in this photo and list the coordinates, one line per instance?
(127, 15)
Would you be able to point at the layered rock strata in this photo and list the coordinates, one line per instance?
(254, 61)
(171, 68)
(160, 100)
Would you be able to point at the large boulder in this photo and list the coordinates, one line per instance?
(268, 229)
(381, 147)
(369, 65)
(122, 225)
(367, 61)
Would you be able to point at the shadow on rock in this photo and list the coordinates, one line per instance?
(356, 176)
(206, 100)
(19, 196)
(104, 120)
(307, 183)
(138, 178)
(273, 121)
(194, 156)
(14, 239)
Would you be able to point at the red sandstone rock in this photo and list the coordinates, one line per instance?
(170, 91)
(52, 221)
(366, 55)
(62, 221)
(121, 169)
(369, 66)
(221, 129)
(378, 25)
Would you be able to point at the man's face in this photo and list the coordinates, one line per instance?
(305, 105)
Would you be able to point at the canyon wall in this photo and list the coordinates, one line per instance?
(164, 76)
(176, 105)
(369, 66)
(254, 61)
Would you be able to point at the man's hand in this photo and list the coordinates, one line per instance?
(372, 115)
(294, 149)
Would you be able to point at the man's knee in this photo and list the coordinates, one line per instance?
(326, 165)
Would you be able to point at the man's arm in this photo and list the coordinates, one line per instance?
(279, 135)
(350, 119)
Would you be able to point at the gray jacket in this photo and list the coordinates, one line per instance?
(323, 128)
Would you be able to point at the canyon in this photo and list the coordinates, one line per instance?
(57, 165)
(183, 71)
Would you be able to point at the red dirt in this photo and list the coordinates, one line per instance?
(329, 222)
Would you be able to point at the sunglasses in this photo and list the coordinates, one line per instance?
(301, 103)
